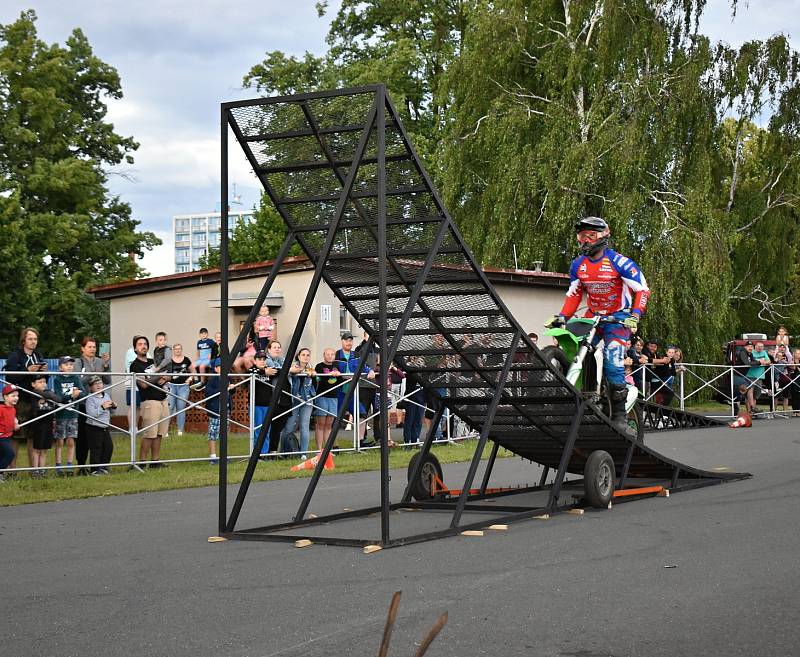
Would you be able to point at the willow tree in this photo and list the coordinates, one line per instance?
(615, 108)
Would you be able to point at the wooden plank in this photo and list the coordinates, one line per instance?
(472, 532)
(369, 549)
(303, 542)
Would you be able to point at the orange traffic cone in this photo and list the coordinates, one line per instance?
(311, 463)
(744, 420)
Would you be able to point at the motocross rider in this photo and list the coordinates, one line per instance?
(616, 287)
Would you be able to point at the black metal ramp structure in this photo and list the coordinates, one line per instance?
(658, 417)
(341, 171)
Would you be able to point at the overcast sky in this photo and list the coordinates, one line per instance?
(179, 60)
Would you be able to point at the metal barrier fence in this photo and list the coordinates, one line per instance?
(451, 431)
(778, 382)
(690, 380)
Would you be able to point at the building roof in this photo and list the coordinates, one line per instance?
(292, 264)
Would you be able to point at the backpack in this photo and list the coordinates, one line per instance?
(289, 443)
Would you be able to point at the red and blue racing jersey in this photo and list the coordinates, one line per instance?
(612, 283)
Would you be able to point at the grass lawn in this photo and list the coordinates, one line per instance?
(24, 490)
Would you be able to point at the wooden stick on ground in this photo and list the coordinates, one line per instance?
(387, 630)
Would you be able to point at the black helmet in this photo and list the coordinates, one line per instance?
(601, 227)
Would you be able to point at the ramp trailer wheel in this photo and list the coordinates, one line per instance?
(598, 479)
(422, 486)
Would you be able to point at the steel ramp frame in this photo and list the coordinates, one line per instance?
(342, 173)
(661, 418)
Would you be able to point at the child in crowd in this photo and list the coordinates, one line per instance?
(162, 354)
(264, 327)
(8, 425)
(205, 347)
(212, 409)
(68, 387)
(98, 408)
(44, 402)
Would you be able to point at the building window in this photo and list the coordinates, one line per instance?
(213, 240)
(344, 320)
(199, 223)
(181, 225)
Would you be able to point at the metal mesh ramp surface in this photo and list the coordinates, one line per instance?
(342, 173)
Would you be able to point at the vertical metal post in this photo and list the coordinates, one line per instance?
(383, 265)
(683, 392)
(356, 421)
(543, 478)
(772, 386)
(473, 466)
(132, 428)
(625, 467)
(223, 314)
(489, 468)
(566, 453)
(733, 399)
(251, 392)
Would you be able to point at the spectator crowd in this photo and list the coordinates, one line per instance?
(68, 411)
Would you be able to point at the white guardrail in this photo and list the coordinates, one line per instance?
(452, 428)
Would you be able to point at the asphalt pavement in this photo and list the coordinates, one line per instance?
(713, 571)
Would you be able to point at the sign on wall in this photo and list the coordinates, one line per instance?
(325, 313)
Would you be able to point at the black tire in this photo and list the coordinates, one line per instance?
(557, 358)
(422, 487)
(598, 479)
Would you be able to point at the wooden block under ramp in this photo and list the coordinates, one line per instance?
(303, 542)
(216, 539)
(499, 528)
(663, 493)
(575, 512)
(544, 516)
(472, 532)
(369, 549)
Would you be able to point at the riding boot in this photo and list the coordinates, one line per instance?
(619, 418)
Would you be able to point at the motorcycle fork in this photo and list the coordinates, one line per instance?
(577, 363)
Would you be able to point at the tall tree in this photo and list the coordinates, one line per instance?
(532, 114)
(611, 107)
(56, 148)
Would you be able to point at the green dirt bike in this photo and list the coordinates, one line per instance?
(570, 357)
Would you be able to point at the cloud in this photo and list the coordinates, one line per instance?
(161, 260)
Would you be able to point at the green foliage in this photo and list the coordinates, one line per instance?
(256, 241)
(532, 114)
(62, 230)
